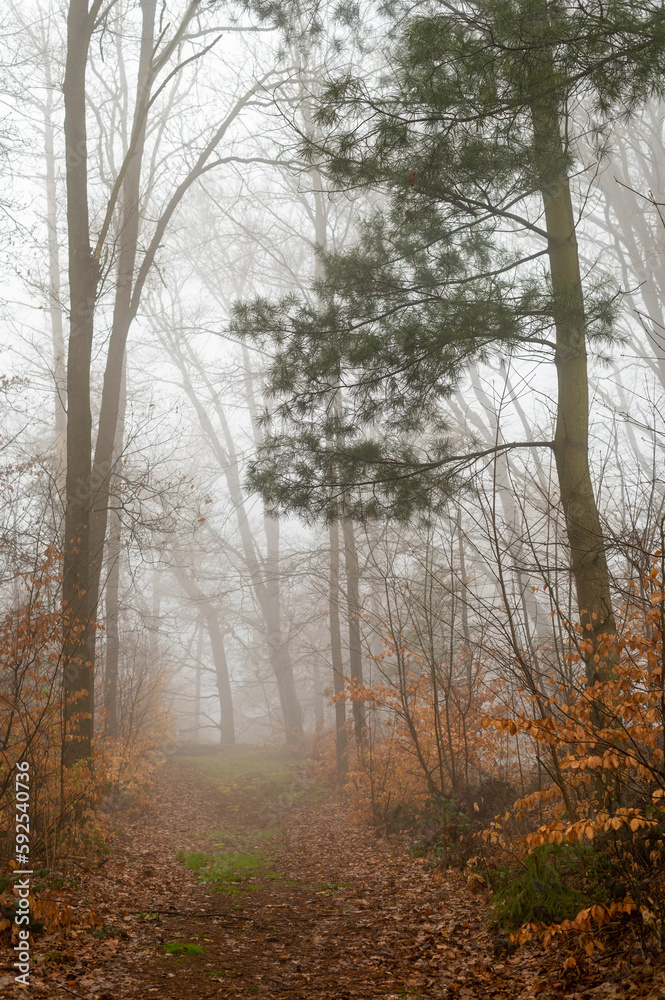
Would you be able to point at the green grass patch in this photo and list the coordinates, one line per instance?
(195, 860)
(228, 870)
(180, 948)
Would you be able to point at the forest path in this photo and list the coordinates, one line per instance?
(299, 904)
(329, 911)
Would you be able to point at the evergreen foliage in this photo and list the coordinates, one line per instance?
(541, 891)
(450, 270)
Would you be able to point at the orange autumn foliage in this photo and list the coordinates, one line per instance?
(63, 803)
(621, 757)
(609, 740)
(424, 739)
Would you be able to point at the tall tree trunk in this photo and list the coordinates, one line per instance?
(227, 736)
(55, 298)
(88, 483)
(113, 584)
(78, 651)
(317, 694)
(123, 314)
(209, 614)
(353, 611)
(336, 654)
(197, 682)
(571, 439)
(264, 577)
(113, 627)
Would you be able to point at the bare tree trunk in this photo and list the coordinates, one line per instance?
(88, 483)
(571, 439)
(208, 612)
(55, 299)
(197, 682)
(87, 486)
(113, 584)
(354, 610)
(113, 627)
(102, 469)
(78, 651)
(336, 654)
(227, 736)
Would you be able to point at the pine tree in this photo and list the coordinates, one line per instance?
(471, 134)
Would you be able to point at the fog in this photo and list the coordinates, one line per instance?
(332, 382)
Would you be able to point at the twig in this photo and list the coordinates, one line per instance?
(61, 987)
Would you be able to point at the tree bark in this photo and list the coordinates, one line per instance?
(227, 736)
(353, 611)
(78, 650)
(123, 314)
(55, 301)
(336, 655)
(113, 584)
(571, 438)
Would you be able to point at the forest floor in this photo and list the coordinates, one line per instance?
(246, 879)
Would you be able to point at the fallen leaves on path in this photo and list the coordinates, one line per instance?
(341, 915)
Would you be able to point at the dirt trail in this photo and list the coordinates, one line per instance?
(349, 916)
(331, 912)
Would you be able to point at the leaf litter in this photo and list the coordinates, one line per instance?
(330, 911)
